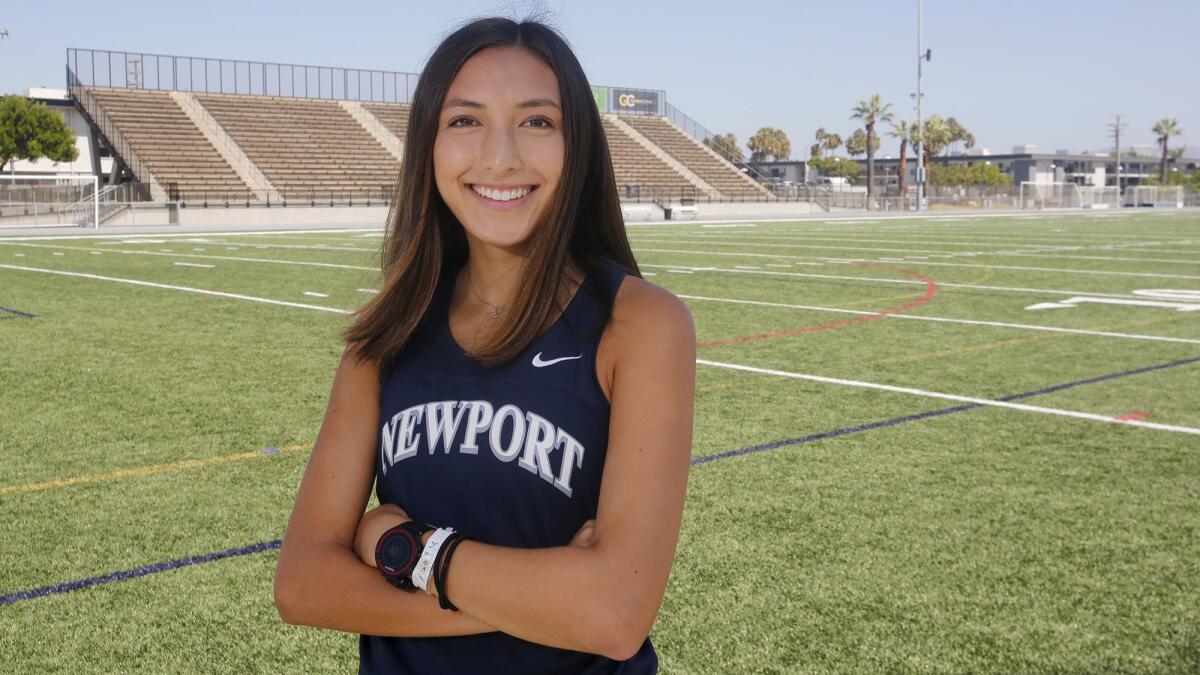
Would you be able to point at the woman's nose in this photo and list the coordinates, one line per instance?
(500, 151)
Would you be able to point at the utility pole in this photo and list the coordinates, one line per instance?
(1115, 132)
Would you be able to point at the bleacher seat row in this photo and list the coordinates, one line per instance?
(304, 146)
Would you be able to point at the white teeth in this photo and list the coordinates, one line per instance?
(502, 195)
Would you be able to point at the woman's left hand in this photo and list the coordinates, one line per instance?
(371, 527)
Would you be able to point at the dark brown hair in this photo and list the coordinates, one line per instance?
(425, 241)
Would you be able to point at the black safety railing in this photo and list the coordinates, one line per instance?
(165, 72)
(288, 195)
(697, 131)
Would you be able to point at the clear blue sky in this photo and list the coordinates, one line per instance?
(1050, 72)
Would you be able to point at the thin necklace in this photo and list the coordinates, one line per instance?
(471, 285)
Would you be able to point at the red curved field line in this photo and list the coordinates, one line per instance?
(930, 291)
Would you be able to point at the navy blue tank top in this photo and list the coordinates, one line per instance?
(509, 455)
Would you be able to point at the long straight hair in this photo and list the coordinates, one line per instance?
(425, 241)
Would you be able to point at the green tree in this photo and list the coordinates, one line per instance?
(1165, 129)
(31, 130)
(979, 173)
(871, 112)
(769, 142)
(904, 131)
(725, 145)
(835, 166)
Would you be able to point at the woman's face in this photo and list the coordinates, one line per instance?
(499, 151)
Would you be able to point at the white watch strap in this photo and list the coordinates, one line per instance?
(424, 569)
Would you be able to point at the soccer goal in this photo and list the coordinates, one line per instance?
(1050, 195)
(1099, 196)
(1154, 196)
(44, 201)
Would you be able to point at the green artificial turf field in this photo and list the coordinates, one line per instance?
(899, 465)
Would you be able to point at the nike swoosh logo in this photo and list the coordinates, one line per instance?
(539, 363)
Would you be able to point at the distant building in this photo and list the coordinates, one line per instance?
(1061, 167)
(59, 102)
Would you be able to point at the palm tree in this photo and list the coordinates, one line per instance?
(1165, 128)
(832, 142)
(819, 137)
(957, 133)
(902, 130)
(937, 137)
(870, 112)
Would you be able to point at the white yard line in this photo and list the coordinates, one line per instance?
(907, 282)
(315, 294)
(156, 235)
(716, 364)
(303, 263)
(367, 290)
(173, 287)
(938, 319)
(188, 264)
(979, 239)
(954, 397)
(307, 247)
(1021, 268)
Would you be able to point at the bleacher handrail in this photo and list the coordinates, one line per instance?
(700, 133)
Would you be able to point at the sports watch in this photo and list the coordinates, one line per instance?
(397, 552)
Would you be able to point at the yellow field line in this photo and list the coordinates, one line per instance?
(987, 275)
(144, 471)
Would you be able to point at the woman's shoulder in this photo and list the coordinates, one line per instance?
(644, 314)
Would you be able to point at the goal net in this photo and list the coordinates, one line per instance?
(1050, 196)
(45, 201)
(1099, 196)
(1154, 196)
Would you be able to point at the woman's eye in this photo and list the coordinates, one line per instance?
(540, 123)
(466, 121)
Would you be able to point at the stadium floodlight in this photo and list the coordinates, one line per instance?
(922, 55)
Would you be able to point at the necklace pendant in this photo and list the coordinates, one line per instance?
(495, 313)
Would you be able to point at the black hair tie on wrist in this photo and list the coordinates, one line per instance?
(442, 566)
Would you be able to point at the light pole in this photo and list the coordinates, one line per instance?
(920, 130)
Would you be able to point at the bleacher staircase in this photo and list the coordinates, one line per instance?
(229, 149)
(630, 131)
(378, 130)
(710, 167)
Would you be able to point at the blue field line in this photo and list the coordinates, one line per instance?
(703, 459)
(138, 572)
(15, 313)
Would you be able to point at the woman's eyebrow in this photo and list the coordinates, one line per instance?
(539, 103)
(531, 103)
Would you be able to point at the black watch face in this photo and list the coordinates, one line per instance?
(399, 552)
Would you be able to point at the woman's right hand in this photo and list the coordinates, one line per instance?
(583, 538)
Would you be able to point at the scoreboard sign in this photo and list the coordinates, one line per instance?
(635, 100)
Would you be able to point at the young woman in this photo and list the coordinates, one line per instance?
(515, 381)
